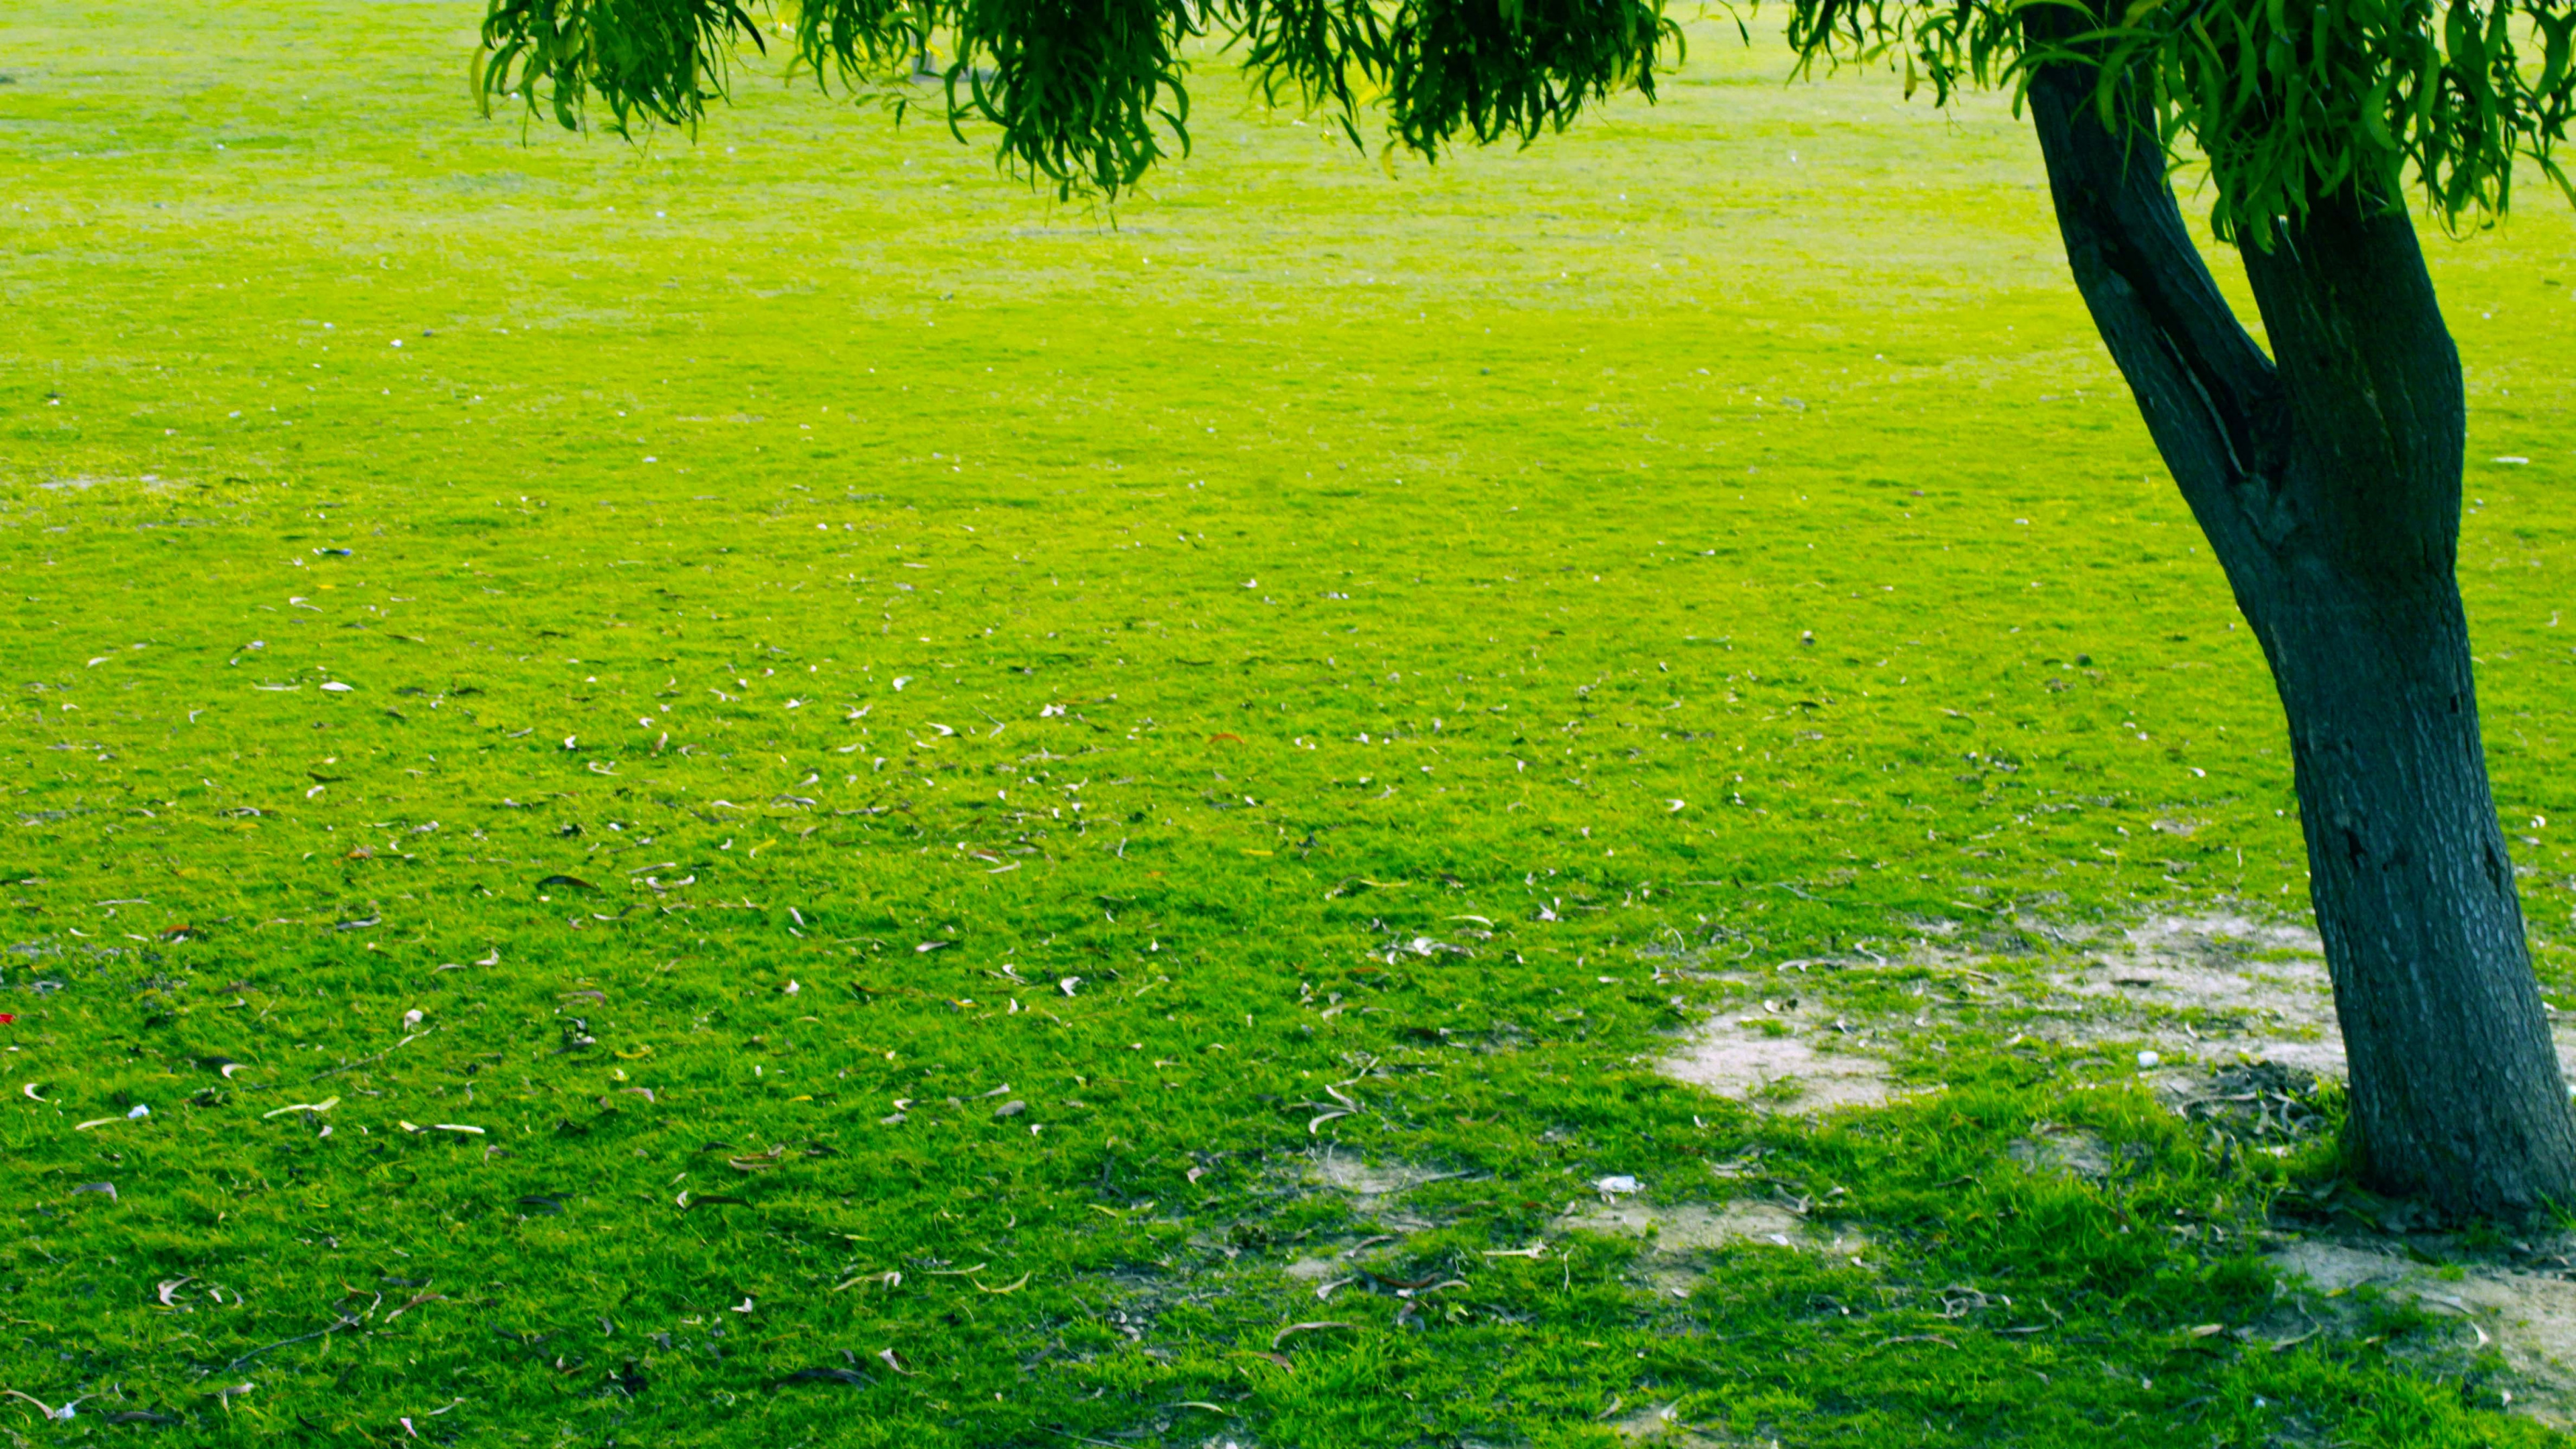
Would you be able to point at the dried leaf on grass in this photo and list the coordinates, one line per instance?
(417, 1300)
(1283, 1335)
(325, 1105)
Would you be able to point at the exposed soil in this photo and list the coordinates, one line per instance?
(2179, 995)
(1780, 1063)
(1676, 1239)
(2521, 1305)
(2232, 1021)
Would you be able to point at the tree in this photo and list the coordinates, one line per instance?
(2327, 474)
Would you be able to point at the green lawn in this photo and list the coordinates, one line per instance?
(766, 790)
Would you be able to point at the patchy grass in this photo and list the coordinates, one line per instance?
(957, 789)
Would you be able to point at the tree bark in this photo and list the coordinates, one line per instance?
(2328, 484)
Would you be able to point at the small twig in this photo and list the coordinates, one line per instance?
(362, 1061)
(345, 1322)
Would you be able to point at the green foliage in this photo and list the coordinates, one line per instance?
(1088, 95)
(2293, 102)
(2287, 101)
(646, 60)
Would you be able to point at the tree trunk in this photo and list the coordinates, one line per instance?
(2329, 488)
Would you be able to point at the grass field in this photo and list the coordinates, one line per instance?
(764, 790)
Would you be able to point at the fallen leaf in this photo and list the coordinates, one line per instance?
(1283, 1335)
(325, 1105)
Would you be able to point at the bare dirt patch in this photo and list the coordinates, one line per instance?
(1675, 1240)
(2525, 1314)
(2180, 996)
(2228, 1017)
(1781, 1063)
(2206, 989)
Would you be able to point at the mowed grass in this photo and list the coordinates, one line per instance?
(911, 747)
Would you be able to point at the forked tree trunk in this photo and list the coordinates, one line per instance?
(2329, 488)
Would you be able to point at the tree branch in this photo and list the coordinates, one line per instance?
(2210, 397)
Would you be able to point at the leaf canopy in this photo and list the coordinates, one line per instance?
(1087, 95)
(2287, 100)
